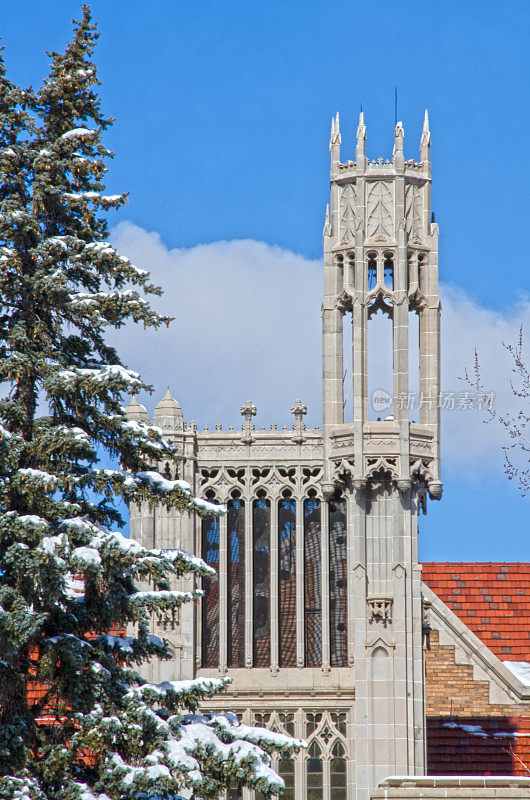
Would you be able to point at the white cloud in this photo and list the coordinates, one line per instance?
(247, 325)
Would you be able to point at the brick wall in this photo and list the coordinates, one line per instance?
(492, 741)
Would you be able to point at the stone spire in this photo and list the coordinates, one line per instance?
(360, 150)
(168, 413)
(136, 411)
(335, 140)
(425, 143)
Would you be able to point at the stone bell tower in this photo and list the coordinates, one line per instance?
(381, 255)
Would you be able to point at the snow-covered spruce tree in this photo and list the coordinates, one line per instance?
(76, 722)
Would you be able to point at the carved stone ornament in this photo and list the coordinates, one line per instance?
(404, 484)
(248, 410)
(380, 610)
(435, 490)
(347, 213)
(379, 208)
(299, 410)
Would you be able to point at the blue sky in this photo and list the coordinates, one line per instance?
(223, 113)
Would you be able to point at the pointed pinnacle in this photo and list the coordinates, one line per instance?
(168, 395)
(426, 122)
(361, 128)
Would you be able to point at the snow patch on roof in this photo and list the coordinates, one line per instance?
(521, 670)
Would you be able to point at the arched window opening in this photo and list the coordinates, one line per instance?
(312, 581)
(372, 271)
(286, 771)
(350, 269)
(337, 582)
(261, 509)
(422, 277)
(315, 773)
(210, 600)
(347, 360)
(380, 360)
(337, 769)
(236, 581)
(413, 399)
(388, 270)
(287, 579)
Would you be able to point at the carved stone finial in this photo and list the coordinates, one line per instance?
(425, 142)
(334, 142)
(248, 410)
(299, 410)
(327, 223)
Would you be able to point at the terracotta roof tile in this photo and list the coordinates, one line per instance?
(492, 599)
(503, 748)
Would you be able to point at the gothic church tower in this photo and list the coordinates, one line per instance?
(317, 613)
(380, 255)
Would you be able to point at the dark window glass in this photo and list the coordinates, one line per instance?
(388, 269)
(314, 773)
(236, 583)
(312, 583)
(286, 771)
(337, 583)
(372, 271)
(337, 768)
(261, 572)
(287, 580)
(210, 600)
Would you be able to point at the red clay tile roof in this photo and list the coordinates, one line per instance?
(492, 599)
(494, 748)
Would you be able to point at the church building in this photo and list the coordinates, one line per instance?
(329, 626)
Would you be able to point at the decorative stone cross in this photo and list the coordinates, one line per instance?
(298, 410)
(248, 411)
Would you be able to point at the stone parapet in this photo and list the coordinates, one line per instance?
(458, 787)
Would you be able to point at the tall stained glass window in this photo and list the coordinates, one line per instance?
(337, 582)
(287, 580)
(261, 516)
(312, 583)
(236, 582)
(210, 600)
(337, 768)
(315, 773)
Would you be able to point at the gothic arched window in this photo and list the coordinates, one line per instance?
(337, 769)
(312, 581)
(315, 773)
(261, 638)
(236, 582)
(388, 270)
(210, 600)
(287, 579)
(337, 582)
(372, 271)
